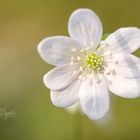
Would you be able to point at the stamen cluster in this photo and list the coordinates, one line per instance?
(94, 61)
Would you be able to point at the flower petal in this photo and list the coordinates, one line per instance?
(85, 27)
(57, 50)
(124, 87)
(124, 39)
(125, 65)
(127, 72)
(61, 76)
(66, 97)
(94, 98)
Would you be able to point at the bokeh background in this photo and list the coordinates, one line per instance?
(23, 23)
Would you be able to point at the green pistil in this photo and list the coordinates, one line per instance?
(94, 61)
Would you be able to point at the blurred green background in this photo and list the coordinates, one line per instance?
(23, 23)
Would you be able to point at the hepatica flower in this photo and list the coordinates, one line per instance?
(87, 69)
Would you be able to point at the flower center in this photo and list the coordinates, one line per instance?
(94, 61)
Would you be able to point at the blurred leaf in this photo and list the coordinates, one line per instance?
(105, 36)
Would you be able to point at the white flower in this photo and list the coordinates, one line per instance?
(88, 68)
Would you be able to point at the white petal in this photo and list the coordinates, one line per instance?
(61, 76)
(57, 50)
(124, 39)
(85, 27)
(94, 98)
(66, 97)
(128, 72)
(127, 65)
(127, 88)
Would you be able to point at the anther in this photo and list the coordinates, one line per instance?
(74, 72)
(73, 49)
(81, 68)
(91, 43)
(80, 77)
(72, 58)
(71, 63)
(94, 61)
(90, 75)
(87, 48)
(78, 58)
